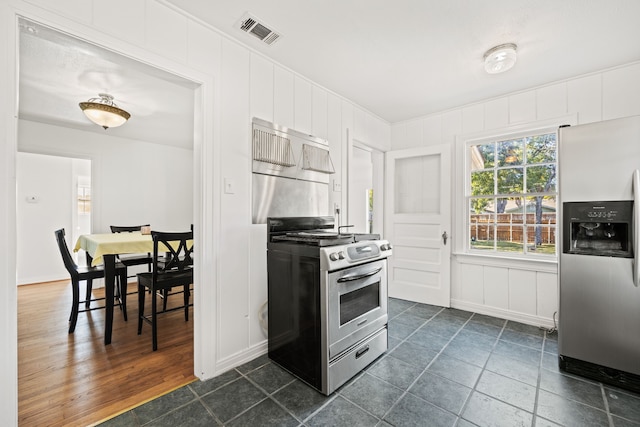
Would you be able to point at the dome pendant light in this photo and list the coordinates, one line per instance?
(500, 58)
(104, 112)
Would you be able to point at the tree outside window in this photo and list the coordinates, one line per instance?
(512, 195)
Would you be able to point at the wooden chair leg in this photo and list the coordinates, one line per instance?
(154, 318)
(165, 298)
(186, 303)
(88, 294)
(123, 293)
(141, 292)
(75, 287)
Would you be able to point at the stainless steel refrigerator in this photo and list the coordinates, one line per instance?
(599, 191)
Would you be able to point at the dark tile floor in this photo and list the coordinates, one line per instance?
(444, 367)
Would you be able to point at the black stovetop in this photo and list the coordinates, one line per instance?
(314, 231)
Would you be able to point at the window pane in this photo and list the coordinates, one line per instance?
(541, 148)
(510, 180)
(482, 183)
(509, 210)
(509, 238)
(541, 240)
(510, 152)
(482, 206)
(541, 179)
(482, 156)
(482, 236)
(541, 210)
(481, 223)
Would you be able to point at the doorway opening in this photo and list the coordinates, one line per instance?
(125, 179)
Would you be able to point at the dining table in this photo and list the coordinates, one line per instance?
(103, 249)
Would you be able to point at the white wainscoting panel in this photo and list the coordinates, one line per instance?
(496, 287)
(522, 291)
(547, 294)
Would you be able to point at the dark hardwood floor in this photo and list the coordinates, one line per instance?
(74, 379)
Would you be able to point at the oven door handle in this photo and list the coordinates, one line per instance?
(354, 277)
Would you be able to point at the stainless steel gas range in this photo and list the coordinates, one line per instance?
(327, 300)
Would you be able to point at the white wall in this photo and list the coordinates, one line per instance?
(48, 180)
(239, 84)
(518, 290)
(134, 182)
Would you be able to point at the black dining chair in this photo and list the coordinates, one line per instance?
(87, 273)
(174, 269)
(132, 259)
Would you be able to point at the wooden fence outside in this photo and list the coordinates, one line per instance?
(510, 228)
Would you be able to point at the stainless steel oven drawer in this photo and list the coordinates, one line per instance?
(348, 364)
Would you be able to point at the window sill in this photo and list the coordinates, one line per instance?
(546, 265)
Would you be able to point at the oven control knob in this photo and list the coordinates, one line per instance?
(341, 255)
(333, 256)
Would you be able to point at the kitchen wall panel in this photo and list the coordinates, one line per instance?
(203, 48)
(258, 286)
(337, 139)
(551, 101)
(359, 125)
(621, 92)
(170, 43)
(473, 118)
(261, 87)
(522, 107)
(108, 17)
(235, 150)
(431, 130)
(80, 10)
(496, 113)
(319, 119)
(302, 114)
(451, 126)
(584, 96)
(413, 134)
(283, 92)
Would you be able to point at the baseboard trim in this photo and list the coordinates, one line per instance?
(237, 359)
(503, 314)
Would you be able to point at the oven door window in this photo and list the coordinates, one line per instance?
(358, 302)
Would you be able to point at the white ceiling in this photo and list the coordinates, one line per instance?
(407, 58)
(397, 59)
(58, 71)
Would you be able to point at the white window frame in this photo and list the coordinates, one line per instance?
(462, 185)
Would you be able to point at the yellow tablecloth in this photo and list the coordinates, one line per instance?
(98, 245)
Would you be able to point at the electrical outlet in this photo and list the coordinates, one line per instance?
(337, 187)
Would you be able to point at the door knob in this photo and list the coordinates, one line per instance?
(445, 237)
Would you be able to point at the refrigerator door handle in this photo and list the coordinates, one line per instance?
(636, 226)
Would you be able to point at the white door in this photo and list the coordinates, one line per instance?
(418, 224)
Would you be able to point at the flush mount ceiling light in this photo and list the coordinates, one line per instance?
(500, 58)
(104, 112)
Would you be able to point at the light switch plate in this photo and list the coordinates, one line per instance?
(337, 187)
(229, 186)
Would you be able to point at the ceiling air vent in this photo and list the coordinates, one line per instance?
(251, 24)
